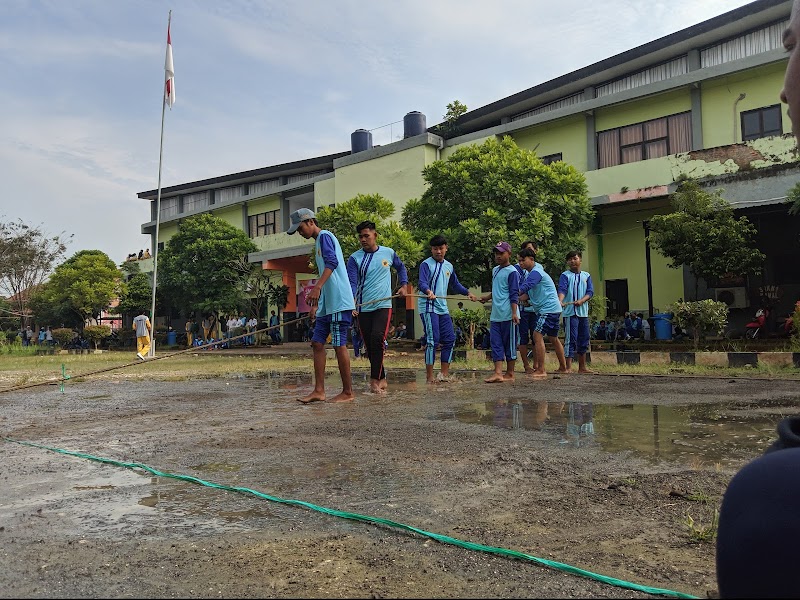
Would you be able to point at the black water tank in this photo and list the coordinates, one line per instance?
(414, 124)
(360, 140)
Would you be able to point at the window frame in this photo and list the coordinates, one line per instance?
(265, 227)
(671, 139)
(761, 132)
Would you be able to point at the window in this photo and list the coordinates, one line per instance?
(551, 158)
(193, 202)
(761, 122)
(169, 207)
(643, 141)
(265, 223)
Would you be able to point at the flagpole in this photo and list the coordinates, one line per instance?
(158, 218)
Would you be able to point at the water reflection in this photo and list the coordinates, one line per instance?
(724, 434)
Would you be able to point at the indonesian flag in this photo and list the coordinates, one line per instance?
(169, 88)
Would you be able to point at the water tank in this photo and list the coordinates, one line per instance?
(360, 140)
(414, 124)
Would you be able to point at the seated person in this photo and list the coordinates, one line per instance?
(391, 333)
(637, 326)
(679, 334)
(400, 332)
(601, 330)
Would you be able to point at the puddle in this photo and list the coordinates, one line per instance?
(705, 434)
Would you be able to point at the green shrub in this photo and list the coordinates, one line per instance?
(63, 335)
(701, 316)
(96, 333)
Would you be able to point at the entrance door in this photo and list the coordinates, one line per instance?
(617, 294)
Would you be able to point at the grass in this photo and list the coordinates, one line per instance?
(698, 532)
(21, 368)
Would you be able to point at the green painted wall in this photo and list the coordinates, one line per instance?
(396, 177)
(262, 205)
(325, 192)
(761, 86)
(634, 176)
(567, 136)
(232, 215)
(448, 150)
(623, 252)
(643, 109)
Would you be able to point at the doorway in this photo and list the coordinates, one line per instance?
(617, 294)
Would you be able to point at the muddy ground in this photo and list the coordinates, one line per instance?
(72, 527)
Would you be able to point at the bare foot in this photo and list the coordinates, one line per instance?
(343, 397)
(431, 381)
(377, 389)
(384, 384)
(586, 371)
(313, 397)
(538, 375)
(563, 371)
(495, 379)
(529, 371)
(508, 377)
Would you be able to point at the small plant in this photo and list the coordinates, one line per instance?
(96, 333)
(700, 316)
(63, 335)
(700, 497)
(469, 320)
(702, 533)
(623, 189)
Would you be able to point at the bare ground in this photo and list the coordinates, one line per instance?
(71, 527)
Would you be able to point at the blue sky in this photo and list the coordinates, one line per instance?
(260, 83)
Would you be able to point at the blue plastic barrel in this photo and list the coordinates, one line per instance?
(663, 326)
(172, 338)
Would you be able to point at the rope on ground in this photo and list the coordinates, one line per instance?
(377, 520)
(64, 378)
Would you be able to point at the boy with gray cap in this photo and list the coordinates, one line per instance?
(331, 302)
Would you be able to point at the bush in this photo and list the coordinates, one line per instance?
(63, 335)
(701, 316)
(96, 333)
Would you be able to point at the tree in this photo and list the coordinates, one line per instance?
(341, 220)
(700, 316)
(197, 269)
(703, 234)
(138, 295)
(495, 191)
(96, 333)
(84, 284)
(455, 110)
(793, 198)
(27, 257)
(469, 320)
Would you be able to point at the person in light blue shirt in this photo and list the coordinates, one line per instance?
(539, 292)
(436, 277)
(527, 316)
(332, 305)
(370, 273)
(504, 320)
(574, 291)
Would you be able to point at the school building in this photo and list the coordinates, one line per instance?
(701, 103)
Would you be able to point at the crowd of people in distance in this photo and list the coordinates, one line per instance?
(143, 254)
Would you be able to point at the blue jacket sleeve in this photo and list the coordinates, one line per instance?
(456, 285)
(563, 284)
(513, 288)
(589, 286)
(534, 277)
(352, 274)
(328, 252)
(400, 267)
(424, 278)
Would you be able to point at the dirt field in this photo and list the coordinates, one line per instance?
(72, 527)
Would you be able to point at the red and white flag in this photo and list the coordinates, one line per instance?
(169, 88)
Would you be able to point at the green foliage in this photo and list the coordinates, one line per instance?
(8, 317)
(197, 270)
(703, 234)
(96, 333)
(497, 191)
(138, 295)
(701, 316)
(598, 304)
(795, 332)
(84, 284)
(455, 110)
(341, 220)
(48, 308)
(469, 320)
(63, 335)
(793, 198)
(698, 532)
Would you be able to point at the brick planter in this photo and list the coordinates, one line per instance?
(742, 359)
(628, 358)
(682, 358)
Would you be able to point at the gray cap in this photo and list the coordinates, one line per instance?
(297, 217)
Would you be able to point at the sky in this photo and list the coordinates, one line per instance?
(260, 83)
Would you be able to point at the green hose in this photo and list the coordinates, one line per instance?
(377, 520)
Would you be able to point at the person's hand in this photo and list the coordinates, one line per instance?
(472, 297)
(483, 299)
(401, 291)
(515, 318)
(312, 298)
(430, 295)
(312, 314)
